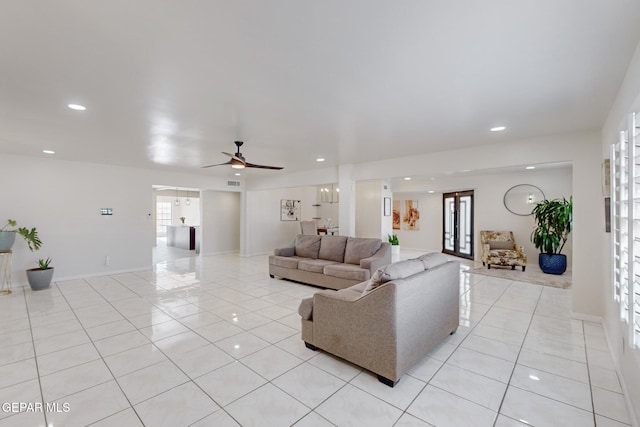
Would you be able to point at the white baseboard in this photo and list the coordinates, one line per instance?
(587, 317)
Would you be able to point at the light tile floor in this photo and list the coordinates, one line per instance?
(214, 341)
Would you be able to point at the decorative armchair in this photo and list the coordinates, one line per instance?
(500, 248)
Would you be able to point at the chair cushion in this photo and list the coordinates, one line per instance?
(347, 271)
(359, 248)
(498, 244)
(433, 259)
(305, 309)
(307, 246)
(314, 265)
(332, 248)
(285, 261)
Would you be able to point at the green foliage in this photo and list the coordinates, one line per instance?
(30, 236)
(44, 263)
(393, 239)
(554, 222)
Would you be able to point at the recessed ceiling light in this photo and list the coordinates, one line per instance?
(320, 159)
(498, 128)
(430, 191)
(77, 107)
(237, 174)
(407, 178)
(530, 167)
(48, 152)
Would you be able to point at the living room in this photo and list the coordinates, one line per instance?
(62, 194)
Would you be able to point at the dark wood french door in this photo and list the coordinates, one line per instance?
(457, 230)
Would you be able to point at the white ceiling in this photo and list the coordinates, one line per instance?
(171, 84)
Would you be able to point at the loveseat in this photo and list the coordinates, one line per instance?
(334, 262)
(390, 322)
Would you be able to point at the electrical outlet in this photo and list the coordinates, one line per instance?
(107, 261)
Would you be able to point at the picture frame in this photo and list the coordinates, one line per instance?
(387, 206)
(289, 210)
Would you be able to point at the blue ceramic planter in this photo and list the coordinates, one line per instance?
(553, 264)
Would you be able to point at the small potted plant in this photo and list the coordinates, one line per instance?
(40, 277)
(8, 237)
(554, 221)
(182, 219)
(395, 244)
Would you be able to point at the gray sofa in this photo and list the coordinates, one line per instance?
(390, 322)
(335, 262)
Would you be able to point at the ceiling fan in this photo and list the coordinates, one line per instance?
(237, 161)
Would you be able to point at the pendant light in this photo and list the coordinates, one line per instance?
(177, 202)
(188, 201)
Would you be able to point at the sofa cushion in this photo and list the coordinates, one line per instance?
(305, 309)
(401, 269)
(497, 244)
(347, 271)
(314, 265)
(307, 246)
(285, 261)
(332, 248)
(358, 248)
(433, 259)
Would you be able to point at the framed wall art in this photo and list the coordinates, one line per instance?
(289, 210)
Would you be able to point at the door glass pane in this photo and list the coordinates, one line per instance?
(464, 236)
(449, 221)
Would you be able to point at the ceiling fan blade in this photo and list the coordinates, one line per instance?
(251, 165)
(234, 156)
(219, 164)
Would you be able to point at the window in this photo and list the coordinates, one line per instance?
(163, 218)
(625, 215)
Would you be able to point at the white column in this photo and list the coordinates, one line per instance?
(347, 188)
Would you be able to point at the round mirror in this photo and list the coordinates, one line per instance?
(521, 199)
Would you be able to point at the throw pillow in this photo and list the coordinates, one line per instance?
(496, 244)
(374, 281)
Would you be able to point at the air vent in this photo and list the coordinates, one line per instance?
(233, 183)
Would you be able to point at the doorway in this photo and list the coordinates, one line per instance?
(457, 229)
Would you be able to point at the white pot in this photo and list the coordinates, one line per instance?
(395, 249)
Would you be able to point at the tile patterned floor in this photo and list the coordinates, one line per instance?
(214, 341)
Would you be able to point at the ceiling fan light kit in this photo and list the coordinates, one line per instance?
(237, 160)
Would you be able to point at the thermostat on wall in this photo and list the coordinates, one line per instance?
(106, 211)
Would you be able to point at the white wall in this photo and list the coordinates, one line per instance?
(220, 231)
(628, 361)
(62, 199)
(369, 209)
(489, 210)
(264, 229)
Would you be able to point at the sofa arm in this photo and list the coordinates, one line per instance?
(518, 248)
(284, 251)
(379, 259)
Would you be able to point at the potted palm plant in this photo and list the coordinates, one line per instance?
(395, 244)
(554, 222)
(8, 237)
(40, 277)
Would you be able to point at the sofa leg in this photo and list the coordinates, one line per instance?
(523, 267)
(453, 332)
(513, 267)
(488, 266)
(272, 276)
(310, 346)
(483, 263)
(387, 381)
